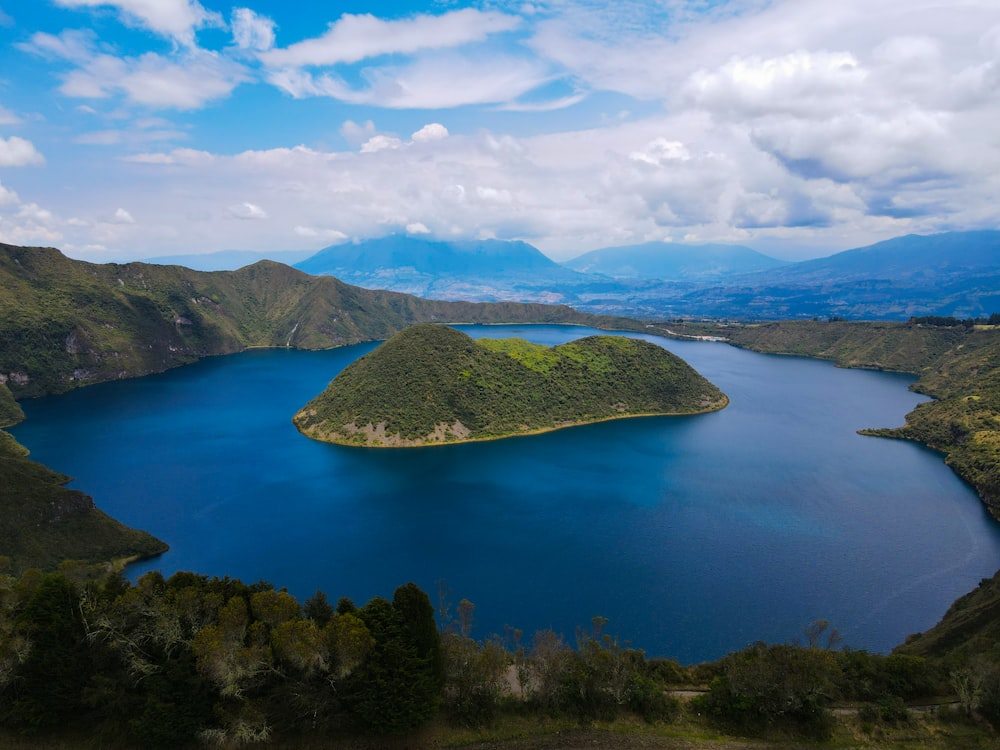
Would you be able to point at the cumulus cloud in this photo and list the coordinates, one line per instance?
(380, 143)
(357, 37)
(178, 19)
(247, 210)
(417, 227)
(17, 152)
(252, 31)
(801, 82)
(432, 132)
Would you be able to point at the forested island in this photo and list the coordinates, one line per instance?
(432, 384)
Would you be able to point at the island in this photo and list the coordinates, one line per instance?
(431, 384)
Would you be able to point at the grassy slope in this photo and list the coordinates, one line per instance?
(431, 375)
(959, 368)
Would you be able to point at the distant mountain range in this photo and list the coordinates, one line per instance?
(671, 261)
(956, 273)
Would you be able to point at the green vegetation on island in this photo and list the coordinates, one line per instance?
(433, 384)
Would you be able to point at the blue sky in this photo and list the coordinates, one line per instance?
(137, 128)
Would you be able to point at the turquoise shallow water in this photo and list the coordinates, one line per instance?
(694, 535)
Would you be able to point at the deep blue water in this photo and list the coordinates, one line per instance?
(694, 535)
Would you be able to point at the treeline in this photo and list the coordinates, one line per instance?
(190, 659)
(949, 322)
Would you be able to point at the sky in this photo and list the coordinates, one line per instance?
(138, 128)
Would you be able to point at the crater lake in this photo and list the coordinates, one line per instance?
(694, 535)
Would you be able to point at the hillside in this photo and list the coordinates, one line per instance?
(954, 273)
(673, 261)
(958, 367)
(433, 384)
(66, 323)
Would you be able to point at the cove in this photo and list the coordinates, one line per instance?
(693, 535)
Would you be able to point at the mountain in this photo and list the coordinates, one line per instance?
(485, 270)
(919, 260)
(228, 260)
(432, 384)
(951, 274)
(65, 323)
(673, 261)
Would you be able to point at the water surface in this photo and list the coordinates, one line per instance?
(694, 535)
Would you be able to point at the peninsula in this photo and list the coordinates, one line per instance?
(431, 384)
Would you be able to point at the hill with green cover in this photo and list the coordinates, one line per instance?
(433, 384)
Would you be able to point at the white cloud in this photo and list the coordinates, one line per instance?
(156, 81)
(417, 227)
(178, 19)
(438, 81)
(247, 211)
(434, 131)
(661, 150)
(380, 143)
(189, 80)
(123, 217)
(252, 31)
(799, 82)
(329, 235)
(186, 156)
(357, 37)
(8, 197)
(17, 152)
(25, 223)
